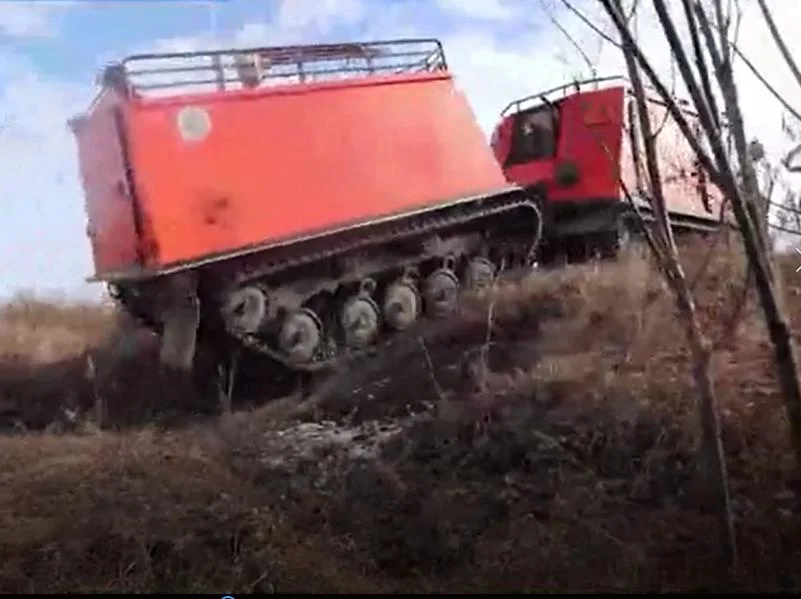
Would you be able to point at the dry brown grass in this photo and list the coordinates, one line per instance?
(36, 331)
(570, 469)
(55, 358)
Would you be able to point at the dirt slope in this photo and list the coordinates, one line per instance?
(569, 466)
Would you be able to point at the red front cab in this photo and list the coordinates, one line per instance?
(577, 144)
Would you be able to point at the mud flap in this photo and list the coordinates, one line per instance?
(180, 318)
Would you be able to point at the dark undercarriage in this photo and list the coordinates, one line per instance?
(315, 304)
(310, 304)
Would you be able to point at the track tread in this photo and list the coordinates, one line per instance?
(397, 230)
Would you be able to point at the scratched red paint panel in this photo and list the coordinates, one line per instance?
(110, 223)
(277, 164)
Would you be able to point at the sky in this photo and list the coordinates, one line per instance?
(499, 50)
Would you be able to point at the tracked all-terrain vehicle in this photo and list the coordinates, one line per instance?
(304, 202)
(581, 143)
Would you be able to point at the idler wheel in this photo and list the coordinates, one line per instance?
(401, 305)
(301, 335)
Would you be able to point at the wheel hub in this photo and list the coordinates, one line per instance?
(359, 318)
(480, 274)
(401, 305)
(441, 293)
(246, 309)
(301, 335)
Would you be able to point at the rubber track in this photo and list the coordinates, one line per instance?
(389, 232)
(375, 236)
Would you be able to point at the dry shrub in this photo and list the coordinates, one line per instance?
(57, 358)
(612, 367)
(572, 469)
(108, 513)
(39, 331)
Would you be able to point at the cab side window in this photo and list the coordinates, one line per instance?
(534, 135)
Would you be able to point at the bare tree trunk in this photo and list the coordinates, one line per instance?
(725, 77)
(721, 173)
(774, 32)
(713, 464)
(770, 298)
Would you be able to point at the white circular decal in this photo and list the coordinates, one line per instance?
(194, 123)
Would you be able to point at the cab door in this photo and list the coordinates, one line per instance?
(591, 128)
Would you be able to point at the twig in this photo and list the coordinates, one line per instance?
(750, 218)
(764, 82)
(490, 320)
(712, 454)
(99, 399)
(430, 364)
(700, 64)
(569, 37)
(785, 51)
(589, 23)
(728, 329)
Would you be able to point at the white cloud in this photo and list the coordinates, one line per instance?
(491, 75)
(320, 16)
(24, 20)
(293, 22)
(42, 243)
(28, 19)
(492, 10)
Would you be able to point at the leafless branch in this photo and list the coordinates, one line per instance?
(742, 195)
(712, 458)
(785, 51)
(723, 22)
(569, 37)
(589, 23)
(765, 82)
(700, 64)
(750, 187)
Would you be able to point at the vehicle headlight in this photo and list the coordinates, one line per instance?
(567, 173)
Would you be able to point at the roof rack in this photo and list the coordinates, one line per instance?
(576, 87)
(237, 68)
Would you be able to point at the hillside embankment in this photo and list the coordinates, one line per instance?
(568, 465)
